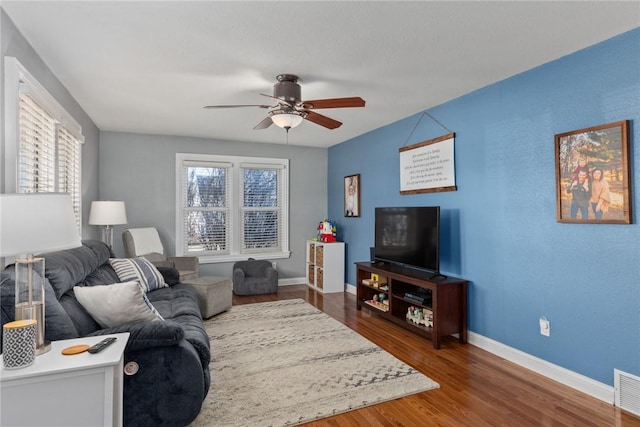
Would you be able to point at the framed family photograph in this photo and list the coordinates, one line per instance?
(592, 175)
(352, 195)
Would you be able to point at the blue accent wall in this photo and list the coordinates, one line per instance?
(499, 228)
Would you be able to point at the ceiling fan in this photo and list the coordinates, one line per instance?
(290, 110)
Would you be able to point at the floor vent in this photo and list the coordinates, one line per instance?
(627, 389)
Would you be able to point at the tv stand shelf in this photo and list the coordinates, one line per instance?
(444, 298)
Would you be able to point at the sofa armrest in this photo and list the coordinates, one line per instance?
(272, 274)
(147, 334)
(238, 275)
(167, 390)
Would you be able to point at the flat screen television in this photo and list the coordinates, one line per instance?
(408, 236)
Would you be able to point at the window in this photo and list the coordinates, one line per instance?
(47, 155)
(231, 208)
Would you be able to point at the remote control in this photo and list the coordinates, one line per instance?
(96, 348)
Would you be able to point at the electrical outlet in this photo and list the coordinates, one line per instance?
(545, 327)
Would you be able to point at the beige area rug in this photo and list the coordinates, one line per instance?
(285, 362)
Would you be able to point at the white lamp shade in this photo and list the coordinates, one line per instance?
(286, 120)
(37, 222)
(107, 213)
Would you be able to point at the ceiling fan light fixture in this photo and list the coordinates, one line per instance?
(290, 110)
(286, 119)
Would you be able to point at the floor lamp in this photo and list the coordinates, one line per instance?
(30, 224)
(107, 213)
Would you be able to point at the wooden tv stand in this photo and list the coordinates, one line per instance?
(448, 299)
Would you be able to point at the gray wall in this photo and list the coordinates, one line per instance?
(12, 43)
(140, 169)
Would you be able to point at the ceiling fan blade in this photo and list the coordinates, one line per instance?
(279, 100)
(355, 101)
(236, 106)
(321, 120)
(264, 123)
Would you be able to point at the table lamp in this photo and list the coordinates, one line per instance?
(107, 213)
(29, 224)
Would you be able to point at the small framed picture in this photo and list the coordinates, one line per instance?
(592, 175)
(352, 195)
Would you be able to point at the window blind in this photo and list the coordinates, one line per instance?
(207, 207)
(49, 154)
(37, 148)
(70, 168)
(261, 209)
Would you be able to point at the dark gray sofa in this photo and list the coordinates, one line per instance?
(173, 355)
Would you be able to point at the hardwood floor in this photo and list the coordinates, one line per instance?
(477, 388)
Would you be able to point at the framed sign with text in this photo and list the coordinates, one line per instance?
(428, 166)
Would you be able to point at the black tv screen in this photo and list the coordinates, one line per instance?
(408, 236)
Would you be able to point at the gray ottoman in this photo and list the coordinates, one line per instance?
(214, 294)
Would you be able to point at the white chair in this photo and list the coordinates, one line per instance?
(145, 242)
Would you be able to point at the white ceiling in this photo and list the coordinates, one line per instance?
(150, 66)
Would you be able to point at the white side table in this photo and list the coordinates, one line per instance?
(80, 390)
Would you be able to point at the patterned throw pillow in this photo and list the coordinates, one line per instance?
(116, 304)
(139, 269)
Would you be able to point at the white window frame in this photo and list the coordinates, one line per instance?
(236, 162)
(18, 80)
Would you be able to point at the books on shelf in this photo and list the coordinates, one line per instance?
(376, 284)
(375, 281)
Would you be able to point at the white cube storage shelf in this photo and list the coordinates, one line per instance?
(325, 266)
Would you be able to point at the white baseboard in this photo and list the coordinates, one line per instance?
(292, 281)
(557, 373)
(298, 280)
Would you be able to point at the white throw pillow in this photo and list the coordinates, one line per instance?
(117, 304)
(140, 269)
